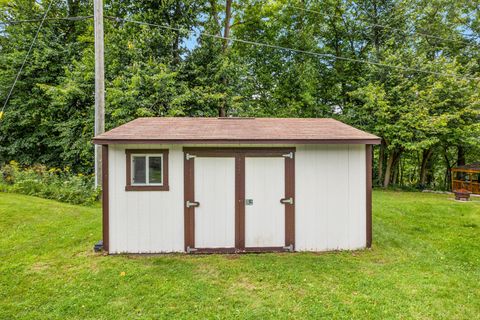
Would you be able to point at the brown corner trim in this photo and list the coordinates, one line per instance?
(237, 141)
(105, 199)
(128, 183)
(368, 161)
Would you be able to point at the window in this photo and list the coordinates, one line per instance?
(147, 170)
(143, 174)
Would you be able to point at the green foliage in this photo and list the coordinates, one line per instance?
(53, 183)
(428, 122)
(423, 265)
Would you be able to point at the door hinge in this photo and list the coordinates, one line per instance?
(288, 155)
(190, 250)
(288, 248)
(190, 204)
(189, 156)
(287, 200)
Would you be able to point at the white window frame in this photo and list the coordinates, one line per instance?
(147, 168)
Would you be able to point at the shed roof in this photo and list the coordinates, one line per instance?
(236, 130)
(475, 166)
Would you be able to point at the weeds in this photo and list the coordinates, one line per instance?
(50, 183)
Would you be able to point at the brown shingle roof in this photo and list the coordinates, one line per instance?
(234, 130)
(475, 166)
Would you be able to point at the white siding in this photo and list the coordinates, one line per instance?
(329, 205)
(265, 185)
(145, 221)
(330, 197)
(215, 191)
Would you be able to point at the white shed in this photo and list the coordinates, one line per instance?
(236, 185)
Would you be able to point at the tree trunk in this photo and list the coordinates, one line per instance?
(386, 179)
(222, 112)
(460, 160)
(395, 171)
(176, 40)
(460, 156)
(394, 154)
(73, 7)
(401, 167)
(448, 172)
(426, 155)
(376, 31)
(381, 157)
(430, 178)
(395, 174)
(228, 17)
(213, 12)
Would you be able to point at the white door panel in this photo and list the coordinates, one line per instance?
(215, 191)
(265, 217)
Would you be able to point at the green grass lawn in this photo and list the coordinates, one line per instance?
(424, 264)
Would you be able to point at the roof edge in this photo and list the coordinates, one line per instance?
(106, 141)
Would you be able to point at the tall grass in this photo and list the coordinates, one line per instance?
(50, 183)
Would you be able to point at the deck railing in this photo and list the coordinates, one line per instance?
(472, 186)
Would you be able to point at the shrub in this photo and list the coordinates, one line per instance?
(50, 183)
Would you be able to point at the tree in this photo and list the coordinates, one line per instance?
(177, 62)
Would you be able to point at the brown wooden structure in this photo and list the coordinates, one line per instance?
(467, 177)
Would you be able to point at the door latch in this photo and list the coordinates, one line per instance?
(288, 248)
(189, 156)
(288, 155)
(286, 200)
(190, 204)
(190, 250)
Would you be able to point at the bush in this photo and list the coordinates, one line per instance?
(53, 183)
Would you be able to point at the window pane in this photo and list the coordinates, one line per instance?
(155, 170)
(139, 172)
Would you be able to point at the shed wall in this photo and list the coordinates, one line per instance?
(329, 208)
(145, 221)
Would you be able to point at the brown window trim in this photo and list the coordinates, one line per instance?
(130, 187)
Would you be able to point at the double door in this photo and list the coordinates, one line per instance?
(239, 200)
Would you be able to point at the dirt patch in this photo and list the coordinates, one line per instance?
(94, 267)
(207, 270)
(87, 253)
(244, 283)
(232, 256)
(39, 266)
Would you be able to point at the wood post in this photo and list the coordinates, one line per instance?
(99, 86)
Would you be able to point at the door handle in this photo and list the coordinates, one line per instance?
(287, 200)
(190, 204)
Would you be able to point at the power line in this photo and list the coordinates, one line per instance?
(78, 18)
(428, 35)
(324, 56)
(25, 59)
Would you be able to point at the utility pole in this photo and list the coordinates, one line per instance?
(99, 86)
